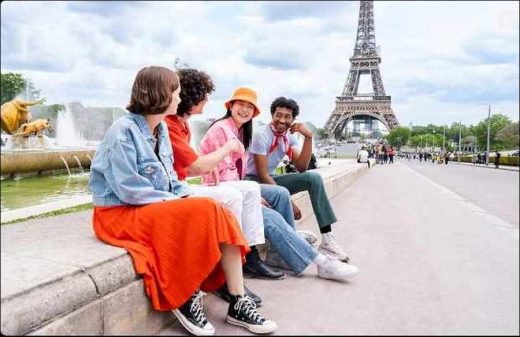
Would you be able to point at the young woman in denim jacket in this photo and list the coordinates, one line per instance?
(180, 244)
(288, 250)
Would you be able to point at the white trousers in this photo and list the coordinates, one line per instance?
(243, 199)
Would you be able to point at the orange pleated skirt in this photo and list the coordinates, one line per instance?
(174, 244)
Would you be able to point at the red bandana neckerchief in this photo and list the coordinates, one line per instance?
(277, 136)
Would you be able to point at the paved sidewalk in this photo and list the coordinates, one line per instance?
(430, 264)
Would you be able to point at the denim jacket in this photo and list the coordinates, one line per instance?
(125, 169)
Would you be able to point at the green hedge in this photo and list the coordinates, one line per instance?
(504, 160)
(507, 160)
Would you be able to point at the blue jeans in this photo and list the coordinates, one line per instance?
(279, 229)
(311, 182)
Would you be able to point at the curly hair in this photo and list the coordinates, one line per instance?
(196, 85)
(282, 102)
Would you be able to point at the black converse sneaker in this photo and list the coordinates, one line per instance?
(192, 317)
(242, 312)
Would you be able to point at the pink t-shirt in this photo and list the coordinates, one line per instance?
(233, 166)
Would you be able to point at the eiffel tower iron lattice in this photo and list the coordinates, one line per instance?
(366, 60)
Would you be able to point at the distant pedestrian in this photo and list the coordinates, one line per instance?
(446, 158)
(391, 154)
(497, 159)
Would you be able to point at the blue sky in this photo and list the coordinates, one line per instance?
(441, 61)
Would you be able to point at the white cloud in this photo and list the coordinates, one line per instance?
(441, 61)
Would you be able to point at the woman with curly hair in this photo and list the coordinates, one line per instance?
(242, 198)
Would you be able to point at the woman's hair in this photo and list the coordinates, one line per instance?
(246, 127)
(152, 90)
(196, 85)
(282, 102)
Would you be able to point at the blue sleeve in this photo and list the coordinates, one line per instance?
(259, 144)
(124, 180)
(294, 142)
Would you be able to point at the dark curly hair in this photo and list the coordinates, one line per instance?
(282, 102)
(196, 85)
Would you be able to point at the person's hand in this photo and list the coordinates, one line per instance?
(234, 145)
(265, 203)
(216, 176)
(299, 127)
(296, 211)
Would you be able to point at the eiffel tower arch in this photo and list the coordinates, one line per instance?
(351, 104)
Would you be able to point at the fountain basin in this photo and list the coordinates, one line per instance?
(26, 162)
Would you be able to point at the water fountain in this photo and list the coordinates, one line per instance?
(40, 154)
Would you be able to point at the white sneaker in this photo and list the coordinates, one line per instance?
(330, 248)
(337, 270)
(309, 237)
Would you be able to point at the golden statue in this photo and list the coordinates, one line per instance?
(15, 113)
(34, 127)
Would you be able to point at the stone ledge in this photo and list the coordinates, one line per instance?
(57, 278)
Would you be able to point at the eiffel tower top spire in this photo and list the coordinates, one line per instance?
(366, 36)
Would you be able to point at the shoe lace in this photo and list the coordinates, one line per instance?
(197, 306)
(331, 241)
(246, 305)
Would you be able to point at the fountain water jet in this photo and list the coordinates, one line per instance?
(79, 163)
(66, 165)
(66, 133)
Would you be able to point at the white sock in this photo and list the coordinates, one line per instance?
(320, 260)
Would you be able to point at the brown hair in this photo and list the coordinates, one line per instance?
(152, 90)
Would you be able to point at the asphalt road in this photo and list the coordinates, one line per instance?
(433, 259)
(496, 191)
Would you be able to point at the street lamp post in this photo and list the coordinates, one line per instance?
(443, 138)
(488, 129)
(460, 135)
(433, 141)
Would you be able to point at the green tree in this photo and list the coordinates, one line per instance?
(497, 123)
(415, 140)
(11, 85)
(509, 137)
(398, 136)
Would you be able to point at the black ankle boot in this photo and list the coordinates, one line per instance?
(223, 293)
(256, 268)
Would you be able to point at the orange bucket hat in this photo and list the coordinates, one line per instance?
(244, 94)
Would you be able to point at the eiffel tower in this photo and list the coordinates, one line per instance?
(352, 105)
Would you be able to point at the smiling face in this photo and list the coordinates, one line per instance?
(241, 112)
(282, 119)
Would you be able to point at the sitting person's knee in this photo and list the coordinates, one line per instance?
(313, 177)
(283, 191)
